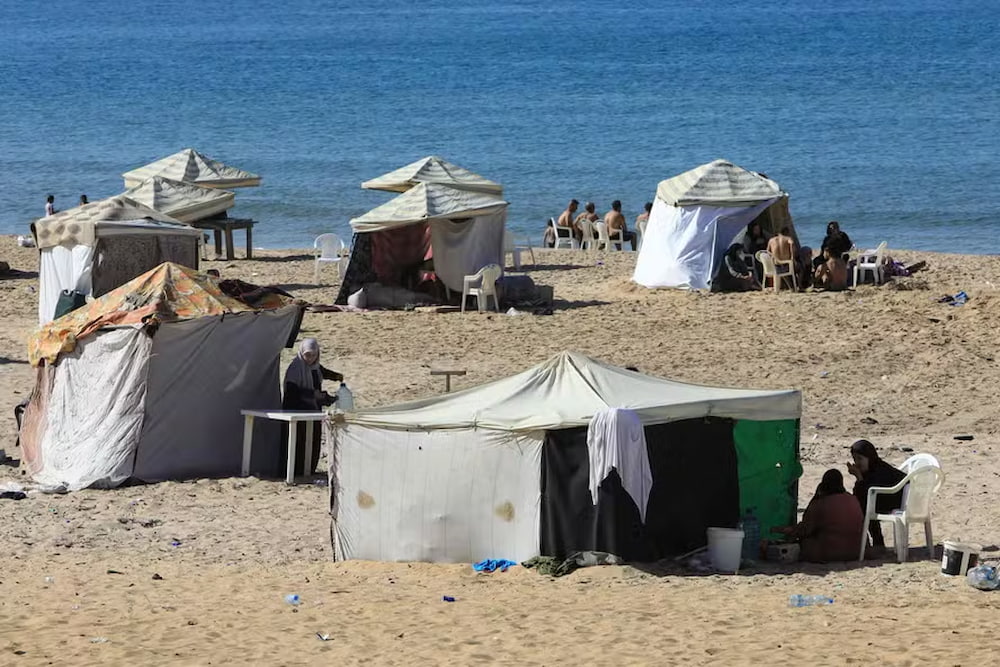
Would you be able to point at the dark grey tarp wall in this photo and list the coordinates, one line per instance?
(695, 485)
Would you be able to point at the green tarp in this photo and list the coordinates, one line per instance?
(767, 454)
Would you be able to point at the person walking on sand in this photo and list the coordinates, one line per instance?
(566, 218)
(617, 229)
(50, 205)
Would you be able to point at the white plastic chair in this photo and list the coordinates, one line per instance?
(603, 240)
(482, 285)
(329, 248)
(587, 229)
(870, 261)
(511, 247)
(770, 265)
(564, 236)
(640, 227)
(922, 481)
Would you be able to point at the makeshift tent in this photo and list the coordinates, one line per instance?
(147, 382)
(186, 202)
(433, 169)
(94, 248)
(191, 166)
(697, 215)
(461, 230)
(502, 470)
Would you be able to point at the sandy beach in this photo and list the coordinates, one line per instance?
(890, 364)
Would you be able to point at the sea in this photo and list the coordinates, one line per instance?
(882, 115)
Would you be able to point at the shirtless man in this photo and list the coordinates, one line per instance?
(832, 273)
(782, 248)
(566, 218)
(616, 225)
(589, 213)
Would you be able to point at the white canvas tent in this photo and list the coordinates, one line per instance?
(695, 218)
(190, 166)
(433, 169)
(92, 249)
(462, 229)
(148, 382)
(459, 477)
(185, 202)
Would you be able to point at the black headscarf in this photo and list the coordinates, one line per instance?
(837, 241)
(832, 483)
(879, 473)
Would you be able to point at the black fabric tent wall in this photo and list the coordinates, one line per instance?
(695, 485)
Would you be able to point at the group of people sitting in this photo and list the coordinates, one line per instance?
(741, 271)
(833, 523)
(614, 219)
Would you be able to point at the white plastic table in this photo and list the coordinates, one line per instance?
(293, 417)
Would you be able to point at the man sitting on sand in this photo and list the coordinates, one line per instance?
(782, 248)
(832, 273)
(616, 225)
(566, 218)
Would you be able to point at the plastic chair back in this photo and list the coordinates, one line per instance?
(603, 240)
(919, 492)
(641, 226)
(919, 461)
(330, 246)
(490, 274)
(587, 230)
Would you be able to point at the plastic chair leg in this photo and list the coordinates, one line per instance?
(929, 536)
(901, 537)
(465, 297)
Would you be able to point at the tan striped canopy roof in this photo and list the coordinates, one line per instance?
(78, 225)
(191, 166)
(718, 183)
(432, 169)
(428, 201)
(186, 202)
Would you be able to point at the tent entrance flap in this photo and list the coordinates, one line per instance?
(695, 485)
(769, 470)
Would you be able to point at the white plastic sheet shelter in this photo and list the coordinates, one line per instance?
(185, 202)
(433, 169)
(92, 249)
(466, 227)
(456, 477)
(156, 404)
(695, 217)
(190, 166)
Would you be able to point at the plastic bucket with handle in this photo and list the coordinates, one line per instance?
(725, 546)
(959, 558)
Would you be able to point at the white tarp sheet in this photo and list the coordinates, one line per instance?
(95, 411)
(62, 268)
(683, 246)
(568, 390)
(443, 496)
(462, 247)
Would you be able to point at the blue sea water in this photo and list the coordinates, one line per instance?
(881, 115)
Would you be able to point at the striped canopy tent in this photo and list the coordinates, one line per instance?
(186, 202)
(190, 166)
(697, 215)
(460, 230)
(432, 169)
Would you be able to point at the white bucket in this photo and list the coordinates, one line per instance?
(959, 557)
(724, 548)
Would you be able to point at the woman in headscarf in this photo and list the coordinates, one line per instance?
(831, 526)
(734, 275)
(304, 391)
(870, 470)
(837, 241)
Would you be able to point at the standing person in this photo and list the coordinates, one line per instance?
(83, 200)
(304, 391)
(832, 524)
(616, 225)
(566, 218)
(869, 470)
(549, 236)
(50, 205)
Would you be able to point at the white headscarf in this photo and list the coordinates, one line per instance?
(299, 372)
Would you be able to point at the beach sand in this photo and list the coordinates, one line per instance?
(891, 364)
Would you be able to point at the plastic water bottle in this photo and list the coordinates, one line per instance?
(751, 535)
(345, 399)
(809, 600)
(293, 599)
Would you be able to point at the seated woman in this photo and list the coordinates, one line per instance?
(837, 241)
(734, 275)
(870, 470)
(831, 526)
(304, 391)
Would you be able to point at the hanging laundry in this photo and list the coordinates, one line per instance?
(616, 440)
